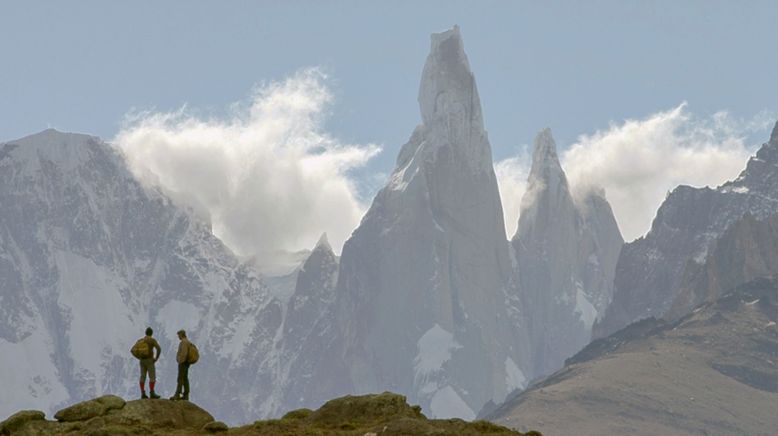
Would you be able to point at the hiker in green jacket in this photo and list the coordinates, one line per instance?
(147, 366)
(182, 385)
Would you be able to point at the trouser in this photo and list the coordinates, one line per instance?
(183, 379)
(147, 366)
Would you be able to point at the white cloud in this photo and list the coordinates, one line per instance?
(268, 177)
(512, 176)
(639, 161)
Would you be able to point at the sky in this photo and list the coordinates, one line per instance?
(326, 92)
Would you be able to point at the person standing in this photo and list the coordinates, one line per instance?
(147, 365)
(182, 385)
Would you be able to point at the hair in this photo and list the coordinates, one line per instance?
(182, 333)
(149, 331)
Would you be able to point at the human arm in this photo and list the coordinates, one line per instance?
(182, 352)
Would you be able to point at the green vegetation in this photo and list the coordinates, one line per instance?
(384, 414)
(379, 414)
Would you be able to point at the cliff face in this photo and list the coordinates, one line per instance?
(747, 250)
(566, 252)
(649, 270)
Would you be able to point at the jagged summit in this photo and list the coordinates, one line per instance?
(51, 137)
(545, 162)
(323, 243)
(760, 174)
(448, 97)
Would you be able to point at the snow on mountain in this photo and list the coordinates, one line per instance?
(424, 304)
(566, 252)
(89, 258)
(690, 220)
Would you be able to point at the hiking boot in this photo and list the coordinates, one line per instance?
(175, 397)
(153, 395)
(185, 397)
(143, 396)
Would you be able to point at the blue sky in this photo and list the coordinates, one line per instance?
(576, 66)
(573, 66)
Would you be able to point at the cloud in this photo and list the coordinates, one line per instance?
(267, 176)
(512, 176)
(638, 161)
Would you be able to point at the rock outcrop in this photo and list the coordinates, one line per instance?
(385, 414)
(566, 252)
(747, 250)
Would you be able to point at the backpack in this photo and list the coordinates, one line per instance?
(192, 356)
(141, 349)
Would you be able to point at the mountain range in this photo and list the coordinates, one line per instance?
(428, 298)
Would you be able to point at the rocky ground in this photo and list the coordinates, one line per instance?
(381, 414)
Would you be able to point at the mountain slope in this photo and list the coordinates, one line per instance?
(712, 372)
(89, 257)
(650, 269)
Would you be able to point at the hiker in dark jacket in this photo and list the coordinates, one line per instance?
(182, 386)
(147, 366)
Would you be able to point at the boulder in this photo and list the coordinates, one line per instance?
(161, 414)
(17, 420)
(215, 427)
(111, 402)
(89, 409)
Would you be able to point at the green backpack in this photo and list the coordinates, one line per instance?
(141, 349)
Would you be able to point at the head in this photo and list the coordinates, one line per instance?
(181, 334)
(149, 331)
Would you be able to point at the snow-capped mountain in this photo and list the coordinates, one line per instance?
(88, 258)
(424, 304)
(566, 252)
(650, 269)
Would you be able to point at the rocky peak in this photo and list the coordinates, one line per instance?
(320, 265)
(323, 245)
(761, 172)
(769, 151)
(566, 254)
(545, 162)
(449, 102)
(547, 195)
(68, 151)
(447, 84)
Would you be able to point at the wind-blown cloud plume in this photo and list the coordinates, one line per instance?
(639, 161)
(268, 177)
(512, 176)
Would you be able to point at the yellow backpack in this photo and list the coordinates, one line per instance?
(141, 349)
(192, 356)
